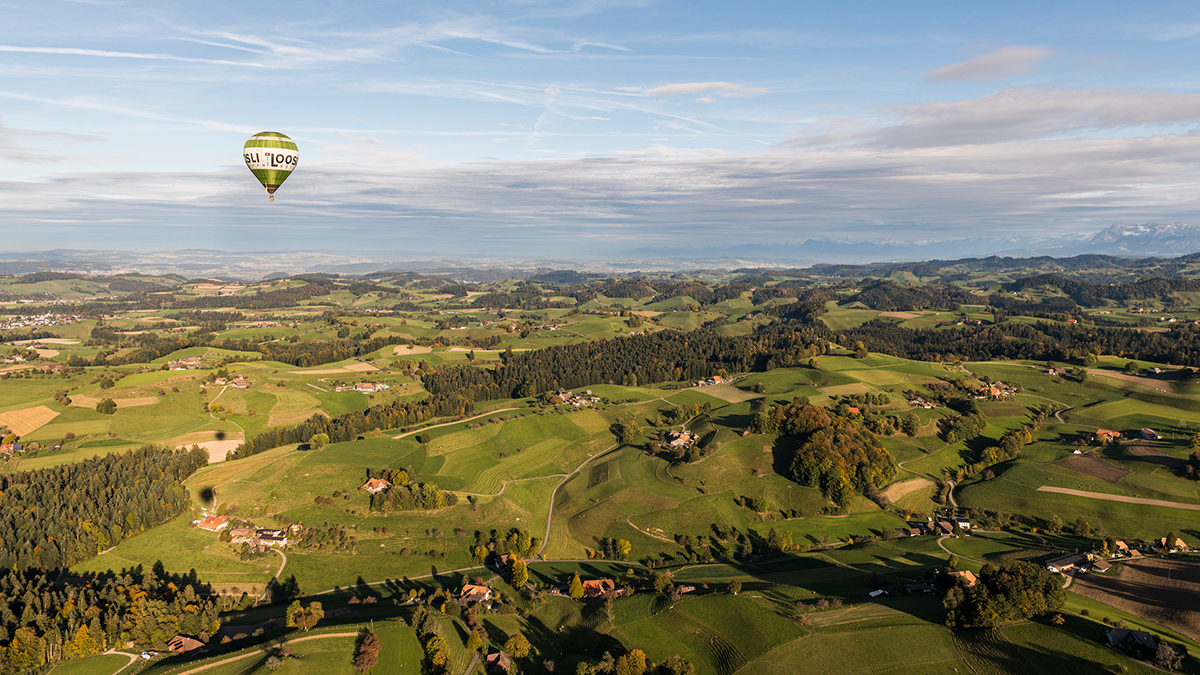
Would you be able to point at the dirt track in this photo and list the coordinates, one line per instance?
(1149, 382)
(261, 652)
(1120, 498)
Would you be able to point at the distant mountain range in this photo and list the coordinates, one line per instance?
(1123, 240)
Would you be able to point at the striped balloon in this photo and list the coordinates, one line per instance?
(271, 156)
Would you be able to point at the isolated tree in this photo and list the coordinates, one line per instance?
(519, 575)
(474, 642)
(106, 406)
(367, 656)
(517, 646)
(735, 587)
(633, 663)
(1131, 368)
(910, 424)
(576, 588)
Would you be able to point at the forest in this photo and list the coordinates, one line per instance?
(43, 622)
(56, 517)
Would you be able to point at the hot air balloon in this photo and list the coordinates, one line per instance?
(271, 157)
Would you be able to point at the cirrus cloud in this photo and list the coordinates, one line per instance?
(995, 65)
(712, 90)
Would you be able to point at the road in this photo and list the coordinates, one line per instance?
(1120, 498)
(446, 424)
(132, 659)
(275, 579)
(550, 512)
(260, 652)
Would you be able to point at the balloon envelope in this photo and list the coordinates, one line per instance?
(271, 157)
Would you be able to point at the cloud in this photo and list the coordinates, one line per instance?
(14, 146)
(580, 44)
(1022, 113)
(716, 89)
(996, 65)
(73, 51)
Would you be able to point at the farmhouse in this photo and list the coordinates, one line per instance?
(945, 527)
(10, 449)
(242, 535)
(1066, 563)
(1177, 546)
(221, 381)
(275, 538)
(1100, 566)
(1150, 435)
(966, 576)
(498, 662)
(963, 523)
(239, 383)
(1122, 638)
(182, 644)
(680, 439)
(919, 402)
(214, 523)
(474, 593)
(374, 485)
(1106, 436)
(919, 589)
(598, 588)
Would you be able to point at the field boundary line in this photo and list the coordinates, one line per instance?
(1119, 498)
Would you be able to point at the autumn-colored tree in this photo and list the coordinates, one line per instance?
(367, 655)
(519, 575)
(575, 590)
(518, 646)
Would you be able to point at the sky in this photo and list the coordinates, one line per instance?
(592, 128)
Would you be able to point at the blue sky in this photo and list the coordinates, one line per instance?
(586, 129)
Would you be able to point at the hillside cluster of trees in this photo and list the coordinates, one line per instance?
(60, 516)
(836, 454)
(43, 622)
(1013, 592)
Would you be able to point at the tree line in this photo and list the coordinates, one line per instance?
(349, 426)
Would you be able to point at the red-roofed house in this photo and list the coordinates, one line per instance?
(376, 485)
(966, 575)
(214, 523)
(598, 588)
(182, 644)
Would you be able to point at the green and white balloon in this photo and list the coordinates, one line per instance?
(271, 157)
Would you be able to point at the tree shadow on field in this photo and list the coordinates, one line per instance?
(782, 454)
(562, 642)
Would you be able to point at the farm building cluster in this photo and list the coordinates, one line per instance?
(189, 363)
(715, 379)
(261, 538)
(364, 387)
(236, 382)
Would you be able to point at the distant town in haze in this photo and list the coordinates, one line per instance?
(604, 337)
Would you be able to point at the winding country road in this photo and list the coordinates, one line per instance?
(446, 424)
(554, 493)
(260, 652)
